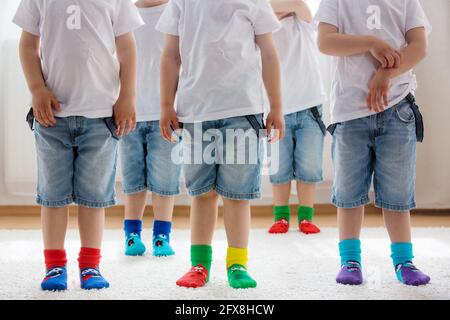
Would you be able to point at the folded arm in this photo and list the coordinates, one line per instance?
(299, 7)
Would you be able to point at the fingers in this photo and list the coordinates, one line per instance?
(166, 131)
(397, 59)
(385, 98)
(369, 101)
(44, 116)
(390, 60)
(269, 127)
(56, 105)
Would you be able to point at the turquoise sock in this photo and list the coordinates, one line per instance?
(401, 252)
(350, 250)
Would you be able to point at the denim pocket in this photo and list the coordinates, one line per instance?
(111, 125)
(404, 113)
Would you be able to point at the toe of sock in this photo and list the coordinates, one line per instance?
(58, 286)
(163, 251)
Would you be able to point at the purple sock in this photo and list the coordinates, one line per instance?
(406, 272)
(350, 274)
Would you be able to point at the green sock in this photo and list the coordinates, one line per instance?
(282, 212)
(202, 254)
(305, 213)
(238, 277)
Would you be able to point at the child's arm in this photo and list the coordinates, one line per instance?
(170, 73)
(272, 82)
(299, 7)
(125, 107)
(333, 43)
(43, 101)
(414, 52)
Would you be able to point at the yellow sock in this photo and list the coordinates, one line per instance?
(237, 256)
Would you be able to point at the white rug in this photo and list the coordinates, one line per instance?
(291, 266)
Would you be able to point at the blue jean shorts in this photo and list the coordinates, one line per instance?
(382, 146)
(225, 156)
(301, 150)
(147, 162)
(76, 163)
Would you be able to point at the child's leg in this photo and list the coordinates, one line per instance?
(55, 175)
(350, 224)
(282, 178)
(398, 225)
(204, 210)
(134, 211)
(394, 181)
(163, 212)
(281, 211)
(237, 224)
(306, 194)
(91, 224)
(54, 227)
(308, 159)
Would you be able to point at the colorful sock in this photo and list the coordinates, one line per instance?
(90, 276)
(238, 277)
(198, 276)
(56, 275)
(282, 216)
(305, 213)
(282, 212)
(305, 216)
(406, 272)
(350, 252)
(133, 243)
(161, 239)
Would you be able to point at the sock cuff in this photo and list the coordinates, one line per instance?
(55, 258)
(350, 244)
(162, 227)
(89, 258)
(237, 256)
(305, 213)
(282, 212)
(401, 252)
(201, 252)
(132, 226)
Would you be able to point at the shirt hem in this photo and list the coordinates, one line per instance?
(222, 115)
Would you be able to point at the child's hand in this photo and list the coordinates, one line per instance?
(168, 123)
(275, 123)
(125, 116)
(379, 87)
(43, 101)
(385, 54)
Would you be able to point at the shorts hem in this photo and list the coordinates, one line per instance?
(54, 204)
(164, 193)
(309, 181)
(281, 182)
(395, 208)
(95, 204)
(351, 205)
(238, 196)
(130, 191)
(200, 191)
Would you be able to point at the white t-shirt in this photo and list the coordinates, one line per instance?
(385, 19)
(301, 78)
(150, 44)
(78, 50)
(221, 64)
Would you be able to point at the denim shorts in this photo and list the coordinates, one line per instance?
(301, 150)
(225, 156)
(147, 162)
(76, 163)
(382, 146)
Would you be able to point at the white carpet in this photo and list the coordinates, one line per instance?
(290, 266)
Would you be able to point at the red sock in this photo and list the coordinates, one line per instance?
(89, 258)
(55, 258)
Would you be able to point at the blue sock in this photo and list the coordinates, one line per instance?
(55, 279)
(132, 226)
(350, 250)
(161, 238)
(133, 243)
(401, 252)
